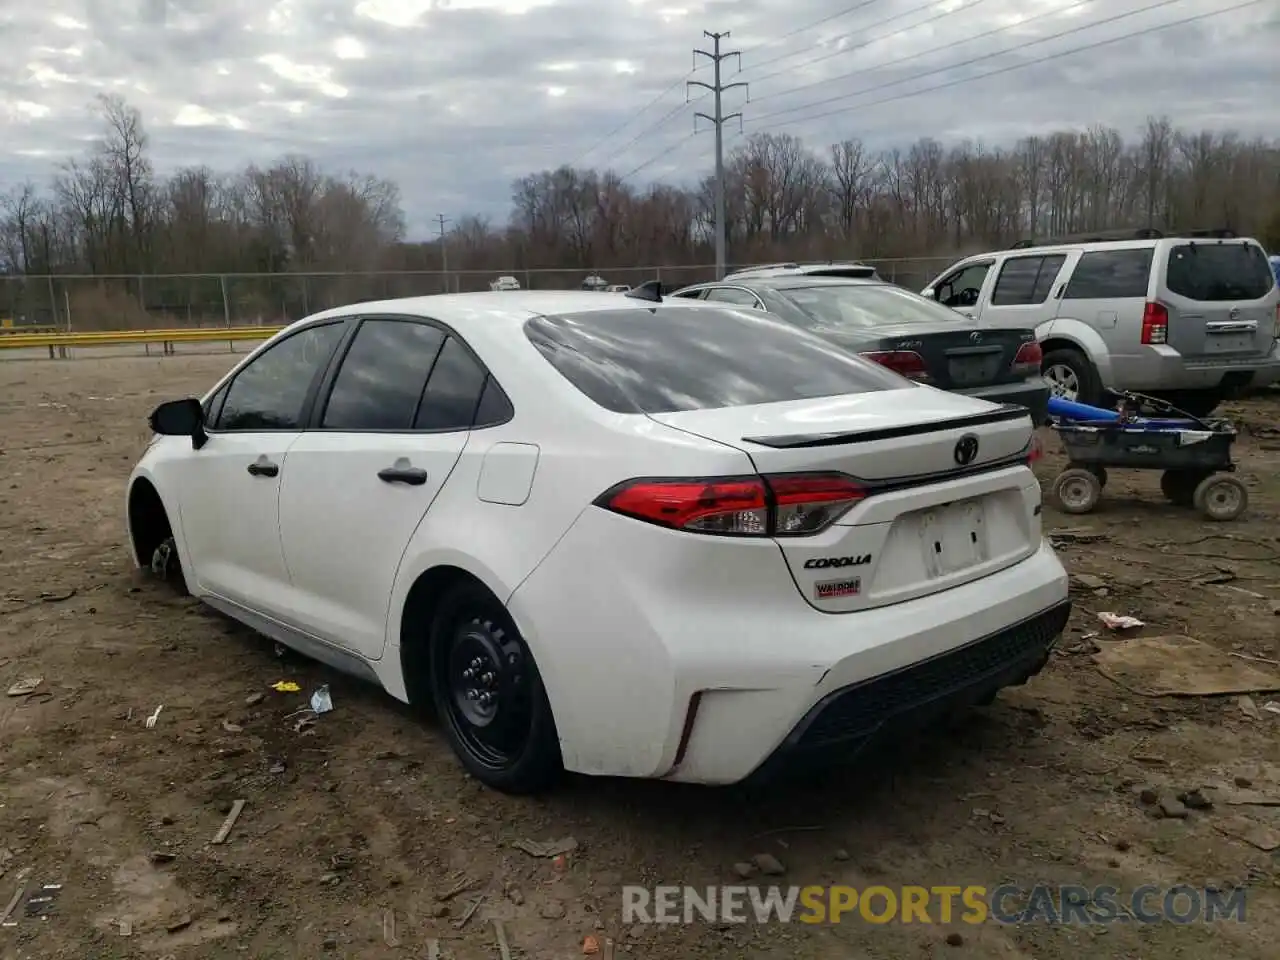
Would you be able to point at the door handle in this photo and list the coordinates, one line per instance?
(413, 476)
(263, 467)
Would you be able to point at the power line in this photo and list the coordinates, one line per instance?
(653, 126)
(817, 23)
(718, 119)
(656, 100)
(1018, 66)
(946, 68)
(866, 43)
(661, 155)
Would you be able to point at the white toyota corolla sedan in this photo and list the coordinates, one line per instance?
(613, 535)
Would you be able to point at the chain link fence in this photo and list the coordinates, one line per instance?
(87, 303)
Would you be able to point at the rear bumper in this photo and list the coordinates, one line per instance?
(853, 719)
(1032, 394)
(1163, 368)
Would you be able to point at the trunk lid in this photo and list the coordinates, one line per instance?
(1221, 299)
(964, 357)
(949, 496)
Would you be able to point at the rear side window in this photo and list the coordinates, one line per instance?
(1218, 271)
(382, 376)
(1111, 274)
(689, 358)
(453, 392)
(1024, 281)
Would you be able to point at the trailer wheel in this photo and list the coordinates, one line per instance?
(1221, 498)
(1098, 471)
(1077, 490)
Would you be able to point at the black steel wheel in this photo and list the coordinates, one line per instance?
(489, 695)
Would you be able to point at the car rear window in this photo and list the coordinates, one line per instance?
(858, 308)
(678, 358)
(1219, 271)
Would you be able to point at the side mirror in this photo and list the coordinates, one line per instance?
(930, 293)
(180, 418)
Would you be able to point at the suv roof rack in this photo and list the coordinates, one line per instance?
(1139, 233)
(787, 265)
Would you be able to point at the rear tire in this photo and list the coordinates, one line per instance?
(1072, 377)
(489, 696)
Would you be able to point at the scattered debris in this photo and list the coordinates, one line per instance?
(286, 686)
(1179, 666)
(769, 865)
(1249, 708)
(433, 949)
(466, 883)
(954, 939)
(1253, 659)
(472, 907)
(178, 925)
(276, 766)
(504, 948)
(224, 831)
(842, 854)
(1172, 809)
(43, 902)
(126, 927)
(389, 929)
(744, 870)
(590, 946)
(547, 848)
(150, 722)
(1118, 621)
(552, 910)
(321, 701)
(280, 650)
(253, 699)
(159, 857)
(1075, 535)
(1195, 800)
(1250, 831)
(230, 727)
(1271, 706)
(1088, 581)
(13, 904)
(26, 687)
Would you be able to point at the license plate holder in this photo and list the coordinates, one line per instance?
(971, 371)
(1230, 342)
(953, 537)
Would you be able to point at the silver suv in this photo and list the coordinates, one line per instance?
(1191, 318)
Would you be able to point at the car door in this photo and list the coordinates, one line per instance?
(1020, 295)
(394, 419)
(962, 288)
(228, 493)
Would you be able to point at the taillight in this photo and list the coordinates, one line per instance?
(776, 505)
(1155, 323)
(1035, 450)
(907, 363)
(1028, 358)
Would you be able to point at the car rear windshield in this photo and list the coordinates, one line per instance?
(678, 358)
(857, 308)
(1219, 271)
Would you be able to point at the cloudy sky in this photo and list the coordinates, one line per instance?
(456, 98)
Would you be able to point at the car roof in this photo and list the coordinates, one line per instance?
(792, 281)
(467, 311)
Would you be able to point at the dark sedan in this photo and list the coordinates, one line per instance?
(918, 338)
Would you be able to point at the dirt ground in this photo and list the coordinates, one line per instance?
(366, 812)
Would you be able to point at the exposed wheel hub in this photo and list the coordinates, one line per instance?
(489, 690)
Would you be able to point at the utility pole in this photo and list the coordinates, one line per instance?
(718, 121)
(444, 250)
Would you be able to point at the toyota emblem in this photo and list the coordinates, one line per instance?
(1235, 313)
(976, 337)
(966, 449)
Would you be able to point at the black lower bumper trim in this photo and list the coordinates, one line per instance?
(852, 719)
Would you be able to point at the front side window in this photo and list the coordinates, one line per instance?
(963, 288)
(698, 358)
(380, 382)
(271, 391)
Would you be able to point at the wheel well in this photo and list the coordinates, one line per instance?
(419, 610)
(148, 523)
(1058, 344)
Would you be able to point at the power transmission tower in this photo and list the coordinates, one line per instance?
(444, 250)
(718, 88)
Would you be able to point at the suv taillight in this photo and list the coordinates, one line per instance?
(1155, 323)
(777, 505)
(1028, 358)
(907, 363)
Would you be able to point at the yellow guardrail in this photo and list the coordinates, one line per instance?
(59, 343)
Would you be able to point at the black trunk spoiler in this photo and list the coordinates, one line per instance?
(1002, 414)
